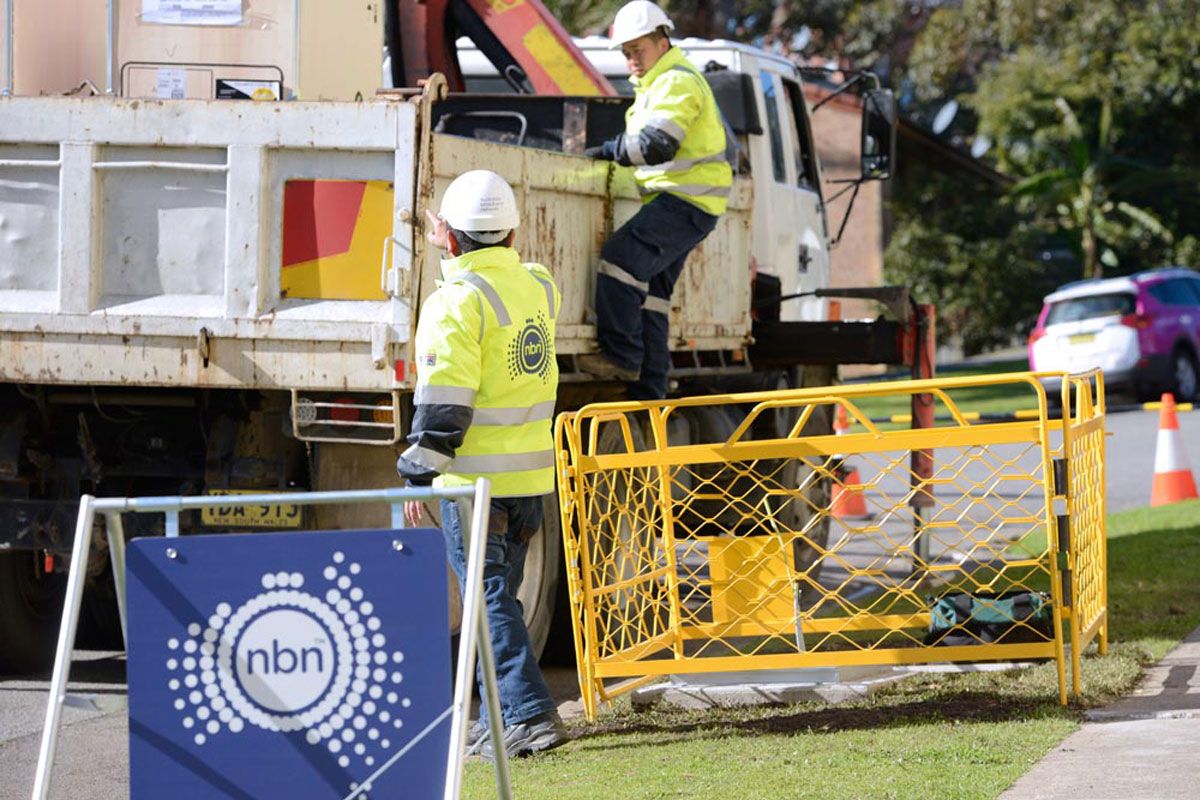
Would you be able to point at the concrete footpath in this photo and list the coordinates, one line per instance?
(1143, 747)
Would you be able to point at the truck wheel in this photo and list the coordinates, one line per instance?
(708, 512)
(539, 590)
(30, 611)
(539, 585)
(625, 524)
(793, 514)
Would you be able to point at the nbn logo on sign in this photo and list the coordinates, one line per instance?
(282, 657)
(285, 660)
(301, 682)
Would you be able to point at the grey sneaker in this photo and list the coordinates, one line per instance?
(477, 734)
(543, 732)
(596, 364)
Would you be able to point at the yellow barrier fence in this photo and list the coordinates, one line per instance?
(714, 534)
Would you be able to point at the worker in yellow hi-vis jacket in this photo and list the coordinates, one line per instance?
(487, 379)
(677, 140)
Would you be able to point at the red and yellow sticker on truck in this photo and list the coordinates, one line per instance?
(333, 233)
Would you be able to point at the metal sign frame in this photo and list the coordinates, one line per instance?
(474, 638)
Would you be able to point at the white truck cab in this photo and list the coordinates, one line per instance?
(789, 232)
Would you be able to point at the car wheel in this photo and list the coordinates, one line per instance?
(1184, 375)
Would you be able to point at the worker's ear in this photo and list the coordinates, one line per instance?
(508, 241)
(452, 244)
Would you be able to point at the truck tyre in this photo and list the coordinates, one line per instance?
(623, 539)
(30, 613)
(342, 466)
(795, 513)
(538, 593)
(698, 515)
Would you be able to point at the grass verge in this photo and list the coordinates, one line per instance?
(998, 399)
(936, 736)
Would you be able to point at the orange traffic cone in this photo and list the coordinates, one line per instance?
(1173, 479)
(840, 424)
(847, 501)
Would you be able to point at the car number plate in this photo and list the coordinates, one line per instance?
(278, 515)
(1081, 338)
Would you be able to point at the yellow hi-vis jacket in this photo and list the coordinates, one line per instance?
(673, 100)
(487, 377)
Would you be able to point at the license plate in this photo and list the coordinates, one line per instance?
(283, 515)
(1082, 338)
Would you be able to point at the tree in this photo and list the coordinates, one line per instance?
(983, 265)
(1078, 193)
(583, 17)
(1112, 181)
(1130, 75)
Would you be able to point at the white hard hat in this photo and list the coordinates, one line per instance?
(636, 19)
(480, 200)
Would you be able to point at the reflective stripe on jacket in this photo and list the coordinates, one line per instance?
(487, 377)
(675, 100)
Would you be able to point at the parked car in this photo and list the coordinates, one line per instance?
(1142, 331)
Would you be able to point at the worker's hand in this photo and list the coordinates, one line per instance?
(438, 232)
(412, 512)
(596, 152)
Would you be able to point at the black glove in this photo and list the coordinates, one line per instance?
(596, 152)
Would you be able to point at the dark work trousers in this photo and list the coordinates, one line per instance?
(523, 691)
(639, 266)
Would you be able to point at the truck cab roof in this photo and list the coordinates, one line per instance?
(480, 74)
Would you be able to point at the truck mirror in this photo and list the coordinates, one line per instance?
(878, 134)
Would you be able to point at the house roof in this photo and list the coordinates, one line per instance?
(917, 142)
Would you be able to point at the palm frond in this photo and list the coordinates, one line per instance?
(1145, 219)
(1039, 183)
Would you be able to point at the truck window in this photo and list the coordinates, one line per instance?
(806, 173)
(769, 96)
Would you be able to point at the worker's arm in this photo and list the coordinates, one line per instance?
(448, 367)
(672, 107)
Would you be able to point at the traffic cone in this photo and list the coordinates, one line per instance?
(1173, 479)
(847, 501)
(840, 423)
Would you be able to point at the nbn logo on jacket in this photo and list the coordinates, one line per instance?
(287, 664)
(531, 351)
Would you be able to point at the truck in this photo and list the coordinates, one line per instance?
(215, 295)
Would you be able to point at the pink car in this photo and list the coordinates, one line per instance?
(1142, 331)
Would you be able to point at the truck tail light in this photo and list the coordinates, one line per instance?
(1036, 334)
(344, 414)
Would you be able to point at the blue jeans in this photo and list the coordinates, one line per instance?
(523, 690)
(648, 253)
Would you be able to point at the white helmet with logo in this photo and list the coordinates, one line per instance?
(478, 201)
(637, 19)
